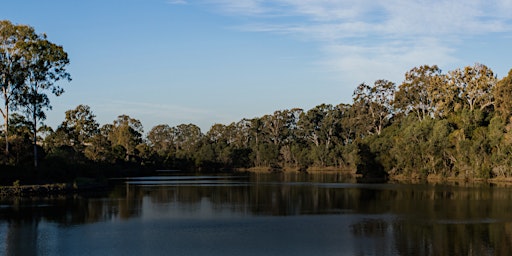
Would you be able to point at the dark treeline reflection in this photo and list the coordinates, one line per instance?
(417, 219)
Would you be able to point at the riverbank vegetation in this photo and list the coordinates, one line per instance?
(454, 124)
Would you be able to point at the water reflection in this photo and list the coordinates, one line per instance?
(371, 219)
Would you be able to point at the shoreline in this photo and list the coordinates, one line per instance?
(59, 189)
(50, 189)
(37, 190)
(411, 179)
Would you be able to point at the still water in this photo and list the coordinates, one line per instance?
(262, 214)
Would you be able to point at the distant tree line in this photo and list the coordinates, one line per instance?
(453, 124)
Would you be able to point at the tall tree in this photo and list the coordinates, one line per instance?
(474, 85)
(503, 96)
(44, 63)
(79, 126)
(161, 140)
(374, 104)
(12, 72)
(99, 149)
(76, 131)
(416, 93)
(320, 126)
(126, 132)
(349, 130)
(187, 140)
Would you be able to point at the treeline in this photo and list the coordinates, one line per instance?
(454, 124)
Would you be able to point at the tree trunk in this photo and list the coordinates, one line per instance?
(34, 127)
(6, 121)
(6, 131)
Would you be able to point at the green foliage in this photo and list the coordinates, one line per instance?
(454, 124)
(367, 165)
(30, 66)
(502, 94)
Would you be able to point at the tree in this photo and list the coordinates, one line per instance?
(44, 63)
(187, 140)
(416, 93)
(99, 149)
(161, 139)
(240, 133)
(216, 143)
(19, 140)
(348, 124)
(126, 132)
(73, 135)
(12, 73)
(255, 133)
(80, 125)
(503, 96)
(374, 105)
(474, 85)
(320, 126)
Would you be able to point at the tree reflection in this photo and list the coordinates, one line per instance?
(400, 219)
(22, 238)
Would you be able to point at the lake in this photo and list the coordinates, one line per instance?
(262, 214)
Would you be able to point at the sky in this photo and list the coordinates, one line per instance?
(219, 61)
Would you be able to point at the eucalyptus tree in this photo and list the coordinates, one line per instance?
(255, 134)
(246, 135)
(320, 126)
(44, 63)
(80, 124)
(218, 138)
(187, 139)
(374, 105)
(277, 132)
(273, 127)
(240, 133)
(290, 139)
(76, 131)
(313, 125)
(126, 132)
(99, 148)
(231, 143)
(417, 93)
(278, 127)
(218, 133)
(12, 69)
(270, 138)
(161, 140)
(474, 86)
(348, 124)
(502, 94)
(20, 139)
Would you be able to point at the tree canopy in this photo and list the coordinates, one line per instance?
(30, 65)
(434, 123)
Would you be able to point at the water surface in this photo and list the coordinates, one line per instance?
(262, 214)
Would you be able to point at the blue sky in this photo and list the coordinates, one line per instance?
(218, 61)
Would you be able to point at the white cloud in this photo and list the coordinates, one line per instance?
(176, 2)
(364, 37)
(385, 61)
(242, 7)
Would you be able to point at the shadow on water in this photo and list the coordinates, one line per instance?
(395, 219)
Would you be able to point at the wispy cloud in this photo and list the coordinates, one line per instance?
(363, 36)
(176, 2)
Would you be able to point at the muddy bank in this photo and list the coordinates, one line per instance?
(37, 190)
(50, 189)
